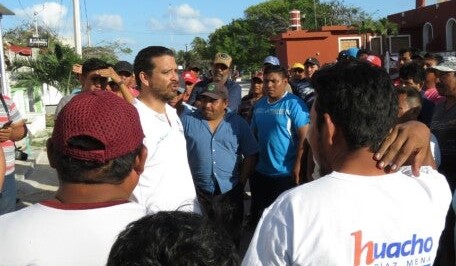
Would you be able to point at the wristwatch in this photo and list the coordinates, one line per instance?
(120, 83)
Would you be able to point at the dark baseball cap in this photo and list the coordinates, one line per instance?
(215, 91)
(123, 66)
(312, 61)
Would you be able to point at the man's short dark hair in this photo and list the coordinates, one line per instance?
(412, 70)
(414, 98)
(413, 51)
(72, 170)
(430, 56)
(276, 69)
(143, 62)
(362, 52)
(93, 64)
(173, 238)
(359, 98)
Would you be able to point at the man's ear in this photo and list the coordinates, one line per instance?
(330, 129)
(140, 160)
(50, 152)
(143, 78)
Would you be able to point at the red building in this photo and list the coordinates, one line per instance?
(297, 45)
(430, 28)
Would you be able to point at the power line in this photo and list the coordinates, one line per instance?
(23, 9)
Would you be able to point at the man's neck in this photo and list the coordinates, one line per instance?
(359, 162)
(90, 193)
(152, 102)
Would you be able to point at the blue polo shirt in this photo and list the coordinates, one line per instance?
(275, 125)
(214, 158)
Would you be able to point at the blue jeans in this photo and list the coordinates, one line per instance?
(8, 196)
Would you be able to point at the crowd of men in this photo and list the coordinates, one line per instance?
(151, 173)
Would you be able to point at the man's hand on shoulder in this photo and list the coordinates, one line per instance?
(408, 143)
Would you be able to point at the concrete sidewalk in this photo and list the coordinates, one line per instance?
(35, 179)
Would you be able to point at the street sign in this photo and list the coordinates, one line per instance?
(38, 42)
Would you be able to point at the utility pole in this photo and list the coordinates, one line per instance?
(35, 22)
(5, 89)
(315, 14)
(89, 29)
(77, 28)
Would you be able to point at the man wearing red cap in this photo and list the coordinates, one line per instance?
(166, 183)
(97, 149)
(190, 80)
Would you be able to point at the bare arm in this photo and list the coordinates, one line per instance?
(111, 73)
(407, 143)
(302, 132)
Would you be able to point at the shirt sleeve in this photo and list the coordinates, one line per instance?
(299, 113)
(271, 242)
(234, 97)
(15, 116)
(248, 142)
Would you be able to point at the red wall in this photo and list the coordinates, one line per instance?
(412, 22)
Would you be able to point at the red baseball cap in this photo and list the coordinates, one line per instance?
(100, 115)
(189, 76)
(374, 60)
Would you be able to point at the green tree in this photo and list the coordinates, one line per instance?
(50, 67)
(247, 39)
(107, 52)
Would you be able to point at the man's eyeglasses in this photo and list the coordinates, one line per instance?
(298, 70)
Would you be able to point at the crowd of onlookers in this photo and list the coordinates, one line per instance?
(155, 173)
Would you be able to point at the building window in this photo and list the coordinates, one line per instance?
(451, 34)
(376, 45)
(398, 42)
(428, 35)
(349, 42)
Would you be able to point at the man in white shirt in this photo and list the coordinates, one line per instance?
(356, 214)
(166, 183)
(96, 148)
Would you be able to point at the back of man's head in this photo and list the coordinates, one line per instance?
(172, 238)
(410, 104)
(93, 64)
(359, 98)
(413, 71)
(96, 139)
(143, 60)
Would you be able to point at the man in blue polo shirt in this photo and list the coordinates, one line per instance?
(280, 123)
(222, 155)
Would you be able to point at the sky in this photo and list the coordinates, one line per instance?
(140, 23)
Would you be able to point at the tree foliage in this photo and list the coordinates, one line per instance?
(53, 64)
(50, 67)
(247, 39)
(107, 52)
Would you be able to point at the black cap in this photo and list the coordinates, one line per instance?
(312, 61)
(123, 66)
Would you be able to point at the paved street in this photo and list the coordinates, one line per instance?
(36, 180)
